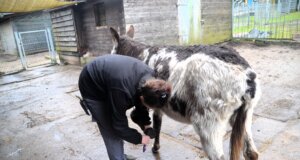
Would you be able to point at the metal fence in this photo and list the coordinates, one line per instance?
(34, 41)
(266, 20)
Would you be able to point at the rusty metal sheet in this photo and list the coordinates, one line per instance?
(30, 5)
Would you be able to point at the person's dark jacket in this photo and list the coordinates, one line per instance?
(116, 79)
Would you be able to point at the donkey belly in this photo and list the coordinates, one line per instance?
(169, 111)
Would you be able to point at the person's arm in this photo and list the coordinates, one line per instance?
(119, 101)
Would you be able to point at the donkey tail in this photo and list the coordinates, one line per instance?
(238, 130)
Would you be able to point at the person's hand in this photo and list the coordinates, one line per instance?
(147, 126)
(145, 140)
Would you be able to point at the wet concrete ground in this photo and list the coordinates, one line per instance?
(12, 63)
(40, 117)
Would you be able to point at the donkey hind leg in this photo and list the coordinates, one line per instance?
(250, 151)
(157, 119)
(211, 135)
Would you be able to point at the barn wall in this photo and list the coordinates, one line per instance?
(98, 39)
(7, 40)
(155, 21)
(64, 30)
(65, 37)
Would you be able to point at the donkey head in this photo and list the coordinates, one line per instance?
(125, 45)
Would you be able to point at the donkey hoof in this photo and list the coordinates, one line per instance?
(155, 149)
(252, 155)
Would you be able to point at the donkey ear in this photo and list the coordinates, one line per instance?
(114, 34)
(130, 32)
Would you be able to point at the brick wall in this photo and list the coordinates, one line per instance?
(216, 21)
(155, 21)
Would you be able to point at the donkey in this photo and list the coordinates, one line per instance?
(213, 86)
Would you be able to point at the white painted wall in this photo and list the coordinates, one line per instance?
(7, 40)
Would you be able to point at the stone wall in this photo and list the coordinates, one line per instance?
(216, 18)
(155, 21)
(7, 40)
(98, 39)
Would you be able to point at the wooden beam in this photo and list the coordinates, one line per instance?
(61, 13)
(66, 44)
(62, 19)
(65, 34)
(63, 24)
(65, 39)
(71, 49)
(69, 28)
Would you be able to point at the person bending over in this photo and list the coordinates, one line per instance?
(112, 84)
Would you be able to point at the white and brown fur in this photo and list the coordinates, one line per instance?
(212, 86)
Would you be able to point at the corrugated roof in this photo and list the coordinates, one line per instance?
(31, 5)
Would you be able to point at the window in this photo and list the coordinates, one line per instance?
(99, 12)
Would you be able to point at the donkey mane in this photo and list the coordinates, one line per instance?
(221, 52)
(224, 53)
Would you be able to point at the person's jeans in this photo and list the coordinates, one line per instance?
(101, 113)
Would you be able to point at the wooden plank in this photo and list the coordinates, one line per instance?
(61, 13)
(62, 19)
(65, 34)
(65, 39)
(63, 24)
(71, 49)
(66, 44)
(70, 28)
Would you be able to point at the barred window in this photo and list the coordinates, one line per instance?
(99, 12)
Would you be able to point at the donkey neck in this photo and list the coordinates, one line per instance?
(131, 48)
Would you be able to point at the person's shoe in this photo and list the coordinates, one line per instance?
(129, 157)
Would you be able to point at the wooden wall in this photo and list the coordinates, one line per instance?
(65, 37)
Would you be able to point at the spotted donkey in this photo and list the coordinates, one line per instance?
(212, 86)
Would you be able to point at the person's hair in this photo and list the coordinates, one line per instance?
(156, 92)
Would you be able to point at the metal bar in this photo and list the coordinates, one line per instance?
(270, 20)
(49, 47)
(276, 26)
(20, 50)
(34, 43)
(53, 53)
(283, 26)
(298, 23)
(31, 31)
(232, 18)
(47, 40)
(23, 51)
(266, 19)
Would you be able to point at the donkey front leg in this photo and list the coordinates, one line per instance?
(157, 118)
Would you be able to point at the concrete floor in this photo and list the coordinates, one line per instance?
(12, 63)
(40, 117)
